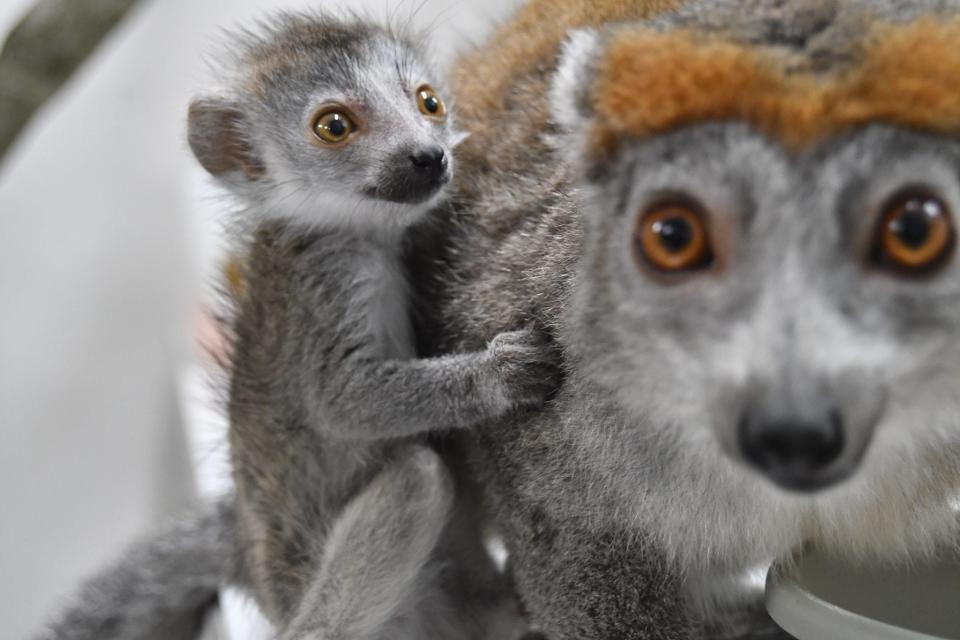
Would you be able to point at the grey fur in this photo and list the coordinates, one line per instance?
(372, 586)
(377, 549)
(624, 504)
(326, 387)
(160, 588)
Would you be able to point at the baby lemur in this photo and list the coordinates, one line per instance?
(345, 524)
(335, 142)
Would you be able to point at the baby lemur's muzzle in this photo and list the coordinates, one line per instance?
(414, 176)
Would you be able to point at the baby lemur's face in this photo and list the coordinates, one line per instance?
(337, 123)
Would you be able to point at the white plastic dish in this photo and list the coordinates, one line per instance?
(825, 599)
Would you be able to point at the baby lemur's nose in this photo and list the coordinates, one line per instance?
(413, 175)
(795, 454)
(431, 163)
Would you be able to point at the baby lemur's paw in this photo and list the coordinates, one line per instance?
(528, 366)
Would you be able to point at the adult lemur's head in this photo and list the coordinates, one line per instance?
(770, 280)
(326, 121)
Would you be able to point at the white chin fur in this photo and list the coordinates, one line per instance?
(321, 209)
(899, 506)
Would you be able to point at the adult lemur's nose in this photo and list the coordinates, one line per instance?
(796, 454)
(430, 163)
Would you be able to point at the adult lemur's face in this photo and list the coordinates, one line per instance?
(804, 309)
(769, 284)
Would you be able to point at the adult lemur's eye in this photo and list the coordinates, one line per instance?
(430, 103)
(673, 238)
(915, 235)
(333, 125)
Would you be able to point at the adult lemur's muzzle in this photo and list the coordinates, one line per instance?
(804, 434)
(796, 453)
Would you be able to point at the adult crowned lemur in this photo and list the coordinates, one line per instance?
(738, 219)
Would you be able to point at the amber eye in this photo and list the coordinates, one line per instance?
(916, 234)
(333, 125)
(673, 238)
(430, 103)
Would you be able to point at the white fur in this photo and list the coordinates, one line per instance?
(385, 302)
(573, 78)
(320, 208)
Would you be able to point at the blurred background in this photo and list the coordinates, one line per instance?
(109, 239)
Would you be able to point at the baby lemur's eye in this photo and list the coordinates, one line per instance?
(672, 238)
(333, 125)
(430, 103)
(915, 235)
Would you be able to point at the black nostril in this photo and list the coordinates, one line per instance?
(793, 452)
(432, 161)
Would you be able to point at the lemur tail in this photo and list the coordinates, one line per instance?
(161, 587)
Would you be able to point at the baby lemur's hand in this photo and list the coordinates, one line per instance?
(528, 365)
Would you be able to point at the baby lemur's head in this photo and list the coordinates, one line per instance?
(770, 282)
(327, 121)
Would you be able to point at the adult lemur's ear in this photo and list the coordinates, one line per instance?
(574, 82)
(572, 94)
(216, 129)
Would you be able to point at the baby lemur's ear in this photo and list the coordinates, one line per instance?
(572, 89)
(216, 131)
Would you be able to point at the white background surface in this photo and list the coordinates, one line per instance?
(105, 242)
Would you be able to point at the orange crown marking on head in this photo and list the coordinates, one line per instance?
(654, 82)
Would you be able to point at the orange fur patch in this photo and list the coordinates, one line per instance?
(508, 77)
(654, 82)
(235, 278)
(531, 39)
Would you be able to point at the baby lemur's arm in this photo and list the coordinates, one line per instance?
(368, 399)
(354, 384)
(405, 397)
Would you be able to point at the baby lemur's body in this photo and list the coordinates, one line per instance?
(335, 144)
(346, 524)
